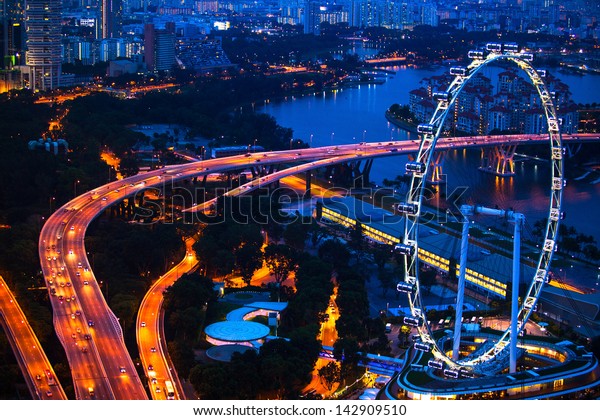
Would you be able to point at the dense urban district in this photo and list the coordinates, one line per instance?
(165, 239)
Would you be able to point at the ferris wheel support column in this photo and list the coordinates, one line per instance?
(518, 219)
(464, 247)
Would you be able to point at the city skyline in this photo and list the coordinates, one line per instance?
(166, 238)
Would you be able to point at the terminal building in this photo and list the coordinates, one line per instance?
(489, 269)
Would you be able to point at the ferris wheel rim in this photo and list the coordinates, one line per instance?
(416, 193)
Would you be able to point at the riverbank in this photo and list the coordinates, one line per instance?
(403, 125)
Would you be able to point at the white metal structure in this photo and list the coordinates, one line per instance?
(418, 171)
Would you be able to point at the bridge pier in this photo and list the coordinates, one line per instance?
(436, 173)
(573, 149)
(365, 172)
(436, 168)
(350, 174)
(498, 160)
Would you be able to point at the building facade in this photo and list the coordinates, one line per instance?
(44, 51)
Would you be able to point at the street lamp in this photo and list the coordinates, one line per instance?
(364, 135)
(311, 137)
(291, 140)
(332, 134)
(254, 146)
(51, 200)
(75, 187)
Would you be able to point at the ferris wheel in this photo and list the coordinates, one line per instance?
(418, 170)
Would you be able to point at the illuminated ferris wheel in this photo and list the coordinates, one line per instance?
(412, 210)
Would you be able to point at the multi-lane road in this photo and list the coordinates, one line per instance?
(37, 370)
(87, 328)
(150, 335)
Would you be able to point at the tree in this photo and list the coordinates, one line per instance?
(182, 356)
(316, 232)
(382, 254)
(248, 259)
(334, 252)
(386, 281)
(357, 241)
(330, 374)
(403, 335)
(296, 233)
(280, 259)
(212, 381)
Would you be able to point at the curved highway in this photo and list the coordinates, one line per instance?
(31, 357)
(87, 328)
(149, 330)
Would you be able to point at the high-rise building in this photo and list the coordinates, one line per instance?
(112, 11)
(317, 13)
(159, 47)
(12, 34)
(42, 20)
(311, 17)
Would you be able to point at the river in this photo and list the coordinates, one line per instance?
(355, 114)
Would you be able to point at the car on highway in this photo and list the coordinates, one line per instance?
(87, 336)
(157, 389)
(38, 377)
(150, 367)
(153, 349)
(90, 323)
(49, 393)
(122, 369)
(142, 324)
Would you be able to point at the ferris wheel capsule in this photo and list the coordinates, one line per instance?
(493, 47)
(441, 96)
(424, 347)
(413, 322)
(510, 47)
(406, 287)
(476, 54)
(407, 208)
(526, 57)
(405, 249)
(416, 167)
(425, 129)
(459, 71)
(435, 364)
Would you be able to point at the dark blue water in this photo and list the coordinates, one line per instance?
(355, 114)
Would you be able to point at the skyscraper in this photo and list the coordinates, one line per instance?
(112, 11)
(159, 47)
(42, 20)
(12, 33)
